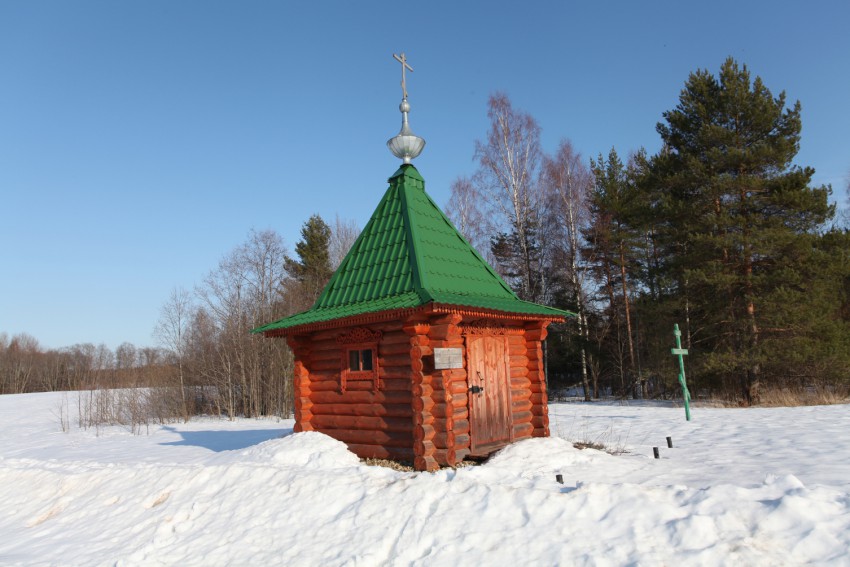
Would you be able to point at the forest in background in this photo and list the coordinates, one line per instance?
(719, 232)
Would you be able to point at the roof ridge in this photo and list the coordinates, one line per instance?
(420, 277)
(472, 248)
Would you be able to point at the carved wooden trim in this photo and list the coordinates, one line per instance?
(492, 313)
(359, 335)
(488, 327)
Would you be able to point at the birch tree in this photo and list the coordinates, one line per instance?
(465, 208)
(172, 331)
(509, 159)
(568, 182)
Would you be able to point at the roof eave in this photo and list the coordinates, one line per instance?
(394, 314)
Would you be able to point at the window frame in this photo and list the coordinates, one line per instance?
(359, 339)
(348, 375)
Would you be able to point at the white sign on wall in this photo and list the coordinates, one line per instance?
(446, 358)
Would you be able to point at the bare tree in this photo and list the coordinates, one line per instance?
(172, 333)
(51, 370)
(80, 365)
(104, 358)
(506, 178)
(125, 356)
(241, 295)
(569, 183)
(344, 233)
(150, 356)
(18, 364)
(465, 209)
(203, 355)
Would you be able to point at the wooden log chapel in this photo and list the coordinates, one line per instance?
(417, 350)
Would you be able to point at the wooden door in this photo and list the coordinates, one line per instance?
(488, 377)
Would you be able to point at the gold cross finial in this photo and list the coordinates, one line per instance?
(403, 60)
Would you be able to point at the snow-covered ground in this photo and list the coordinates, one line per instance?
(740, 487)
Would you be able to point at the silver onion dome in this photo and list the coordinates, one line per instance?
(406, 145)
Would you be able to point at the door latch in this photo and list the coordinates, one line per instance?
(476, 389)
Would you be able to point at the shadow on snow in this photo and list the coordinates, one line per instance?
(227, 440)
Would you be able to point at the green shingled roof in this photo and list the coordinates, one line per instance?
(408, 255)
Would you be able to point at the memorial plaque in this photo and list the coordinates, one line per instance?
(446, 358)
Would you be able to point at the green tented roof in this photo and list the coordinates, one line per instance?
(409, 255)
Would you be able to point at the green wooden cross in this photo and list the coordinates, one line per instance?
(680, 352)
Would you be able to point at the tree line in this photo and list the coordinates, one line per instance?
(719, 232)
(27, 367)
(207, 360)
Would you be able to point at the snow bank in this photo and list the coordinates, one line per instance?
(307, 449)
(175, 497)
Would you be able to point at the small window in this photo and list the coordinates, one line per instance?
(354, 360)
(359, 364)
(360, 360)
(366, 359)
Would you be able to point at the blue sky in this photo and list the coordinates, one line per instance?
(142, 141)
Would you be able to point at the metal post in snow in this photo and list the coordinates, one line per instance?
(680, 352)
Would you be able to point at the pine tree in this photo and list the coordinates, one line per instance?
(613, 241)
(737, 220)
(312, 269)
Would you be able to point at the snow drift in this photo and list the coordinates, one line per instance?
(747, 487)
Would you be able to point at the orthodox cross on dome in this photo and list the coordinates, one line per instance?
(406, 145)
(403, 60)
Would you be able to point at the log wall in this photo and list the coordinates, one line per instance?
(372, 423)
(534, 335)
(448, 392)
(301, 383)
(521, 403)
(418, 413)
(422, 389)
